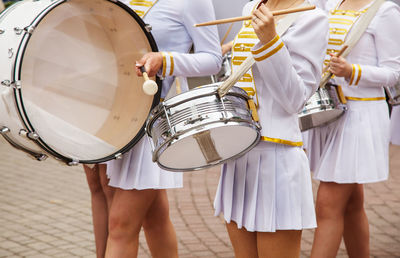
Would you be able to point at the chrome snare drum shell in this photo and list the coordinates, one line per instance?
(197, 129)
(322, 108)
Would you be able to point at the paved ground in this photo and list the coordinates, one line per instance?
(45, 212)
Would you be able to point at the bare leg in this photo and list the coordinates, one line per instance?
(158, 228)
(332, 199)
(244, 242)
(128, 210)
(99, 209)
(279, 244)
(107, 190)
(356, 228)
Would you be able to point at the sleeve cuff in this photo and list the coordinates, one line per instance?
(355, 75)
(168, 64)
(268, 49)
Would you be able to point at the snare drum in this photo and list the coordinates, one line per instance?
(322, 108)
(226, 69)
(198, 129)
(68, 85)
(393, 94)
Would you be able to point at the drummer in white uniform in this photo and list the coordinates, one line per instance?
(140, 198)
(266, 195)
(353, 150)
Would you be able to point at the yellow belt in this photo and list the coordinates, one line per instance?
(280, 141)
(365, 99)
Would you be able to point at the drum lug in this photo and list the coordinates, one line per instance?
(73, 162)
(148, 27)
(31, 135)
(2, 31)
(37, 155)
(28, 29)
(8, 83)
(118, 156)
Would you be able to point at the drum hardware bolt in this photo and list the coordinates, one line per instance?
(4, 129)
(6, 83)
(33, 136)
(73, 162)
(17, 85)
(10, 53)
(30, 29)
(18, 31)
(118, 156)
(41, 157)
(23, 133)
(2, 31)
(148, 27)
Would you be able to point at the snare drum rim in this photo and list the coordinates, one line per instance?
(16, 75)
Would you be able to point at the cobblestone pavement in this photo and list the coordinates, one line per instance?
(45, 212)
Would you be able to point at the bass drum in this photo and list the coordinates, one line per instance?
(68, 83)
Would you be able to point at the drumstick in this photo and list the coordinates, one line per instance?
(243, 18)
(226, 34)
(337, 55)
(150, 87)
(178, 86)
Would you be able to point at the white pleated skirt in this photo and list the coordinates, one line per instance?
(395, 126)
(355, 148)
(136, 170)
(267, 189)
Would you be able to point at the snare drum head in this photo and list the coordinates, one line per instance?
(80, 92)
(230, 141)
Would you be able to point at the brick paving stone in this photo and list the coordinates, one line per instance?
(45, 212)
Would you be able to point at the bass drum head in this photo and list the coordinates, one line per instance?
(80, 92)
(185, 153)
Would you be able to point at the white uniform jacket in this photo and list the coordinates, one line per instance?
(172, 28)
(375, 59)
(287, 72)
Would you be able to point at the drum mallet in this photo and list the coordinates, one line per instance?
(150, 87)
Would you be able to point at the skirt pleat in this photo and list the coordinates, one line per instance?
(267, 189)
(136, 170)
(353, 149)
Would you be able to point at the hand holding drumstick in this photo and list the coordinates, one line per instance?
(148, 66)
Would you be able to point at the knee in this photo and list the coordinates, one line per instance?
(122, 226)
(157, 218)
(326, 210)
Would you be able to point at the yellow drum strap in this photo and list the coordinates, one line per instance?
(142, 7)
(365, 99)
(280, 141)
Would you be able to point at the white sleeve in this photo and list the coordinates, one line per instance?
(291, 70)
(206, 59)
(387, 39)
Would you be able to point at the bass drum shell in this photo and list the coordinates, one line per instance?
(175, 126)
(69, 66)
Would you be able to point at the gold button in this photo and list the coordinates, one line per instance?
(334, 30)
(332, 11)
(357, 13)
(242, 47)
(247, 23)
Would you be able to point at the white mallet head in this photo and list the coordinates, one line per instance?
(150, 87)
